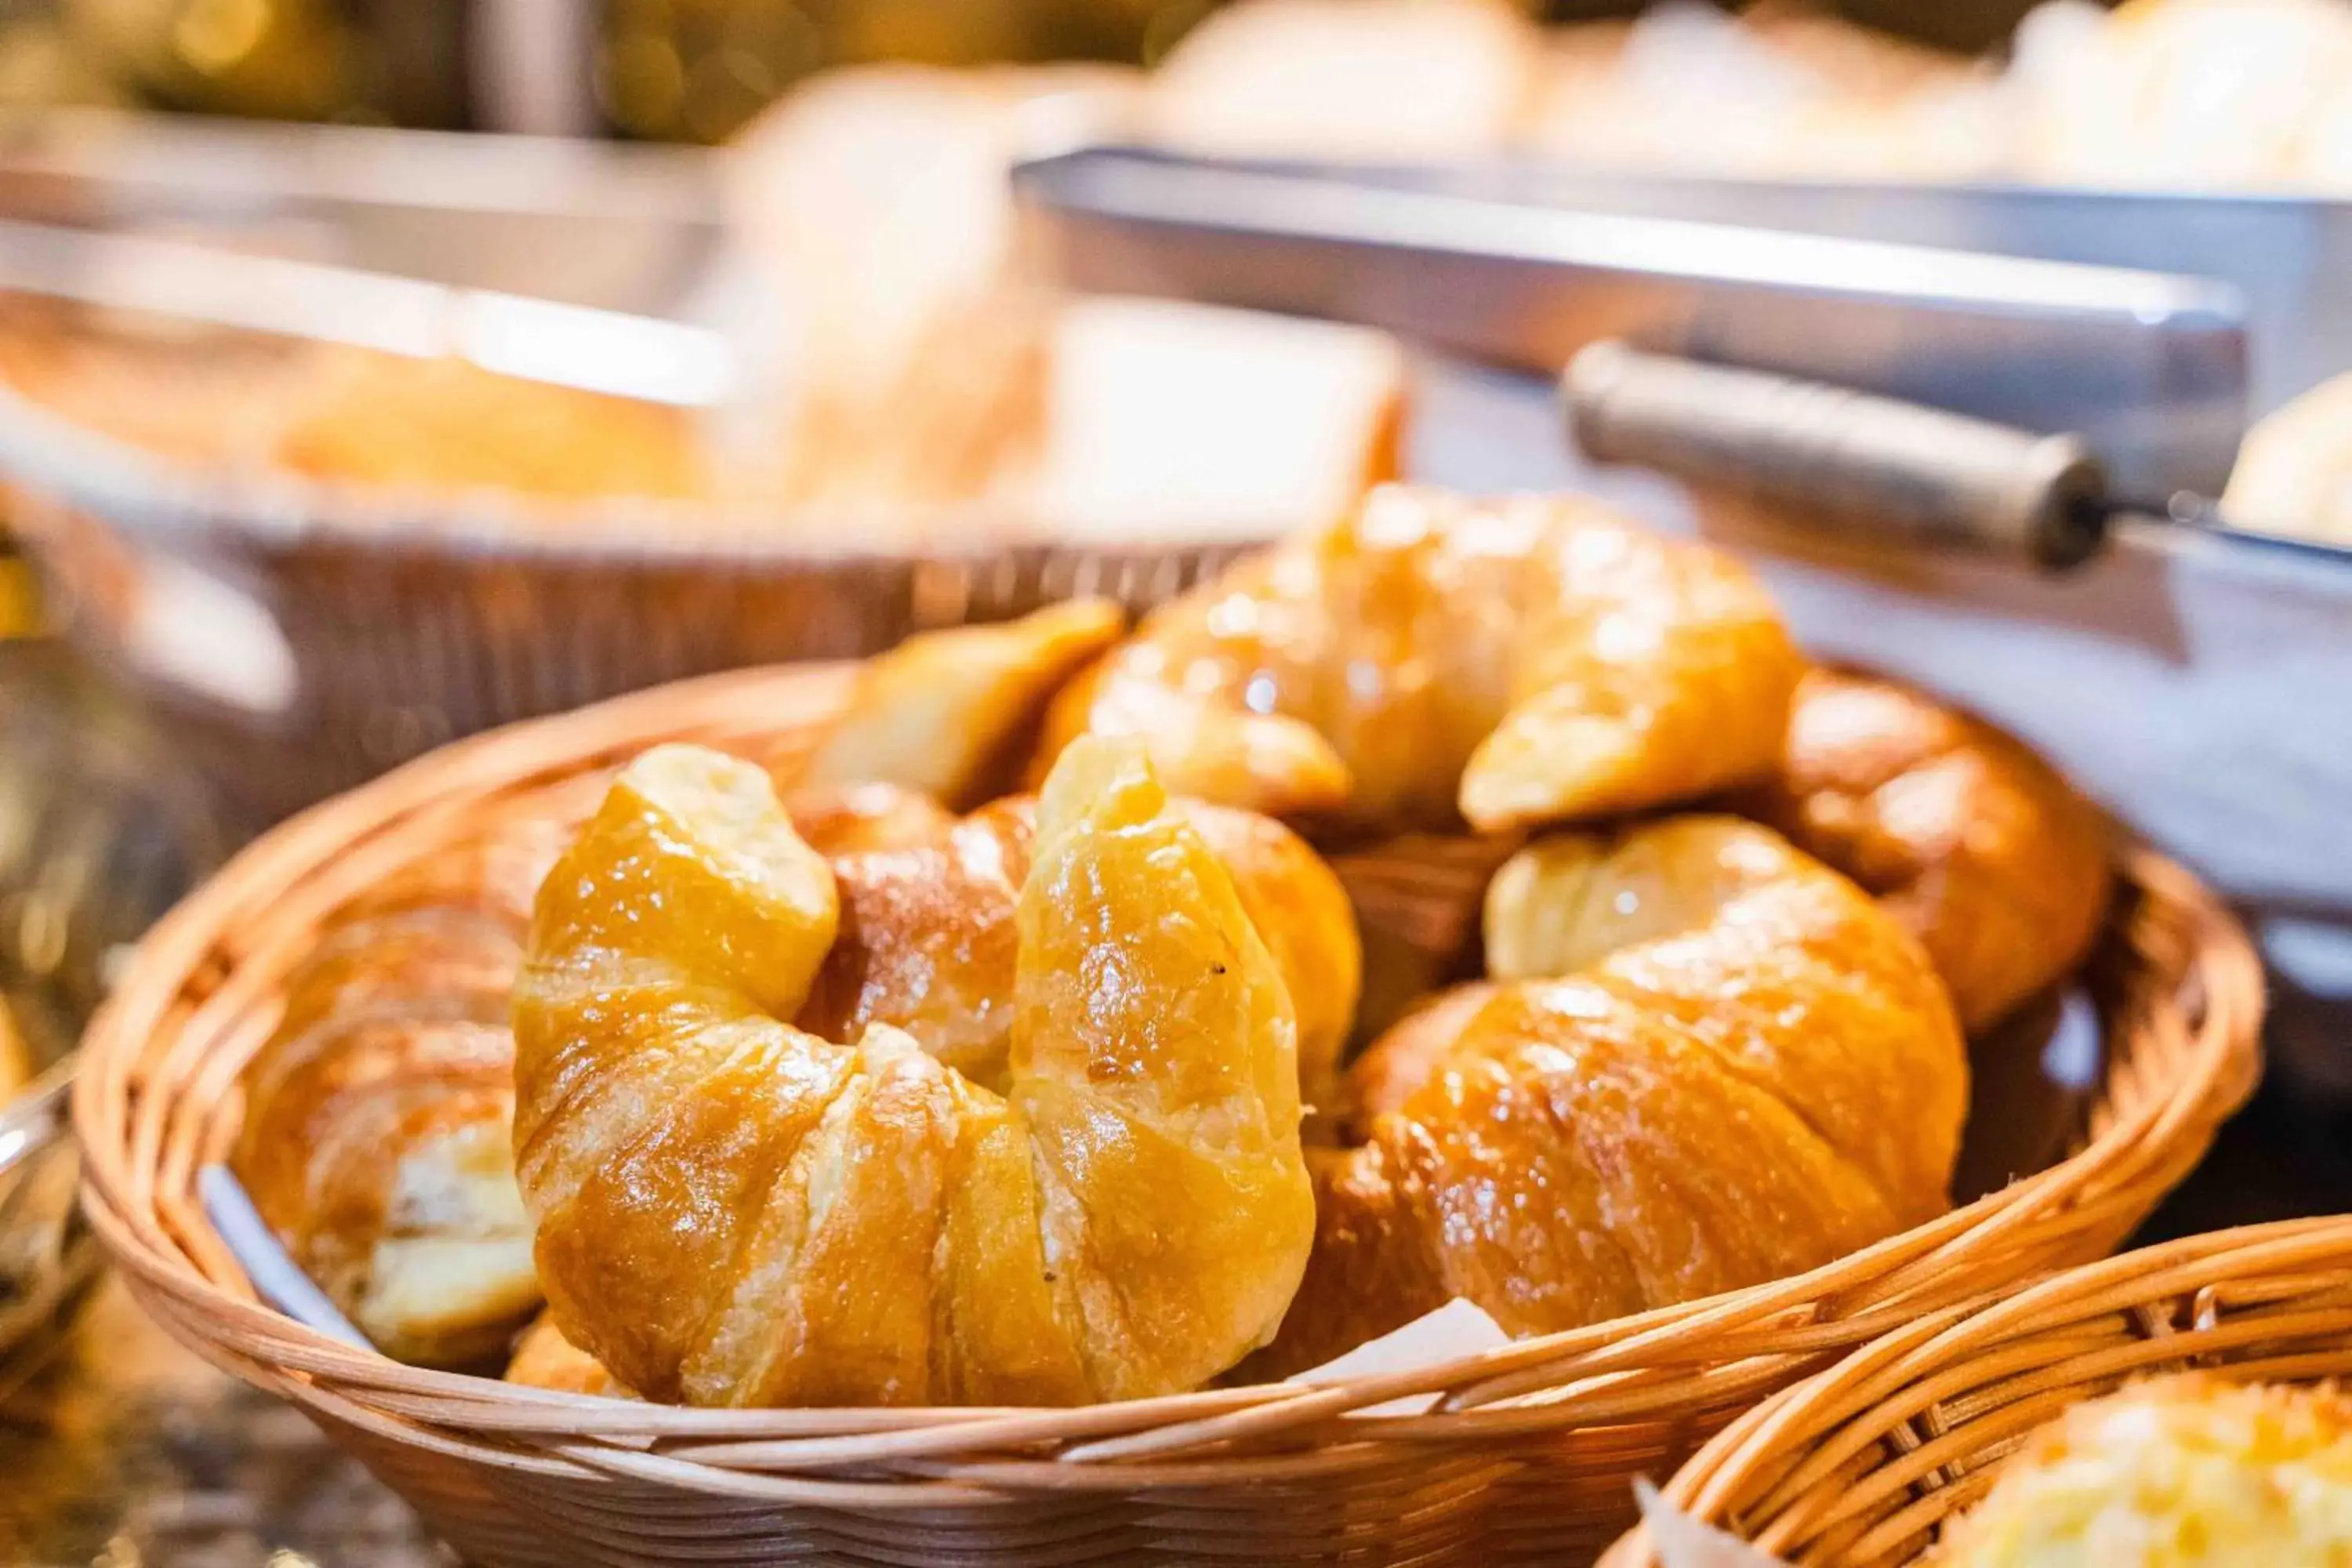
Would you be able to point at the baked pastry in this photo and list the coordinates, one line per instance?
(926, 939)
(946, 713)
(375, 1141)
(449, 426)
(1396, 79)
(2293, 473)
(1751, 1069)
(927, 942)
(1998, 865)
(2176, 1472)
(2192, 95)
(543, 1358)
(1429, 659)
(1785, 93)
(733, 1211)
(377, 1136)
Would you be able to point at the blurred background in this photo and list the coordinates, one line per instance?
(693, 70)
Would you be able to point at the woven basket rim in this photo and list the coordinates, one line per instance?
(1908, 1429)
(2192, 1059)
(159, 500)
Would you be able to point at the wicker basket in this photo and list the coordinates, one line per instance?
(1860, 1464)
(1526, 1454)
(347, 631)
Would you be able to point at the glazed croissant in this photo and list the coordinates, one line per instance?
(1430, 660)
(732, 1210)
(1967, 837)
(1750, 1070)
(926, 941)
(377, 1135)
(375, 1141)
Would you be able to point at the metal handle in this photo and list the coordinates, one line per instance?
(1865, 460)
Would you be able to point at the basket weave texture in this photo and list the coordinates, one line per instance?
(408, 620)
(1524, 1455)
(1860, 1464)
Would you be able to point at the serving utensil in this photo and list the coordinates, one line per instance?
(2148, 368)
(1866, 462)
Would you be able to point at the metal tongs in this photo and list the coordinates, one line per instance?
(1865, 462)
(47, 1257)
(2146, 370)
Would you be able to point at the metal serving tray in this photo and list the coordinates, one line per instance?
(2288, 257)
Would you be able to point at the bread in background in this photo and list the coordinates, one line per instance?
(1172, 421)
(1371, 79)
(1786, 94)
(2186, 94)
(2173, 1473)
(2293, 473)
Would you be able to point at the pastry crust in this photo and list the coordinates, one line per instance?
(1750, 1070)
(375, 1140)
(1429, 659)
(1967, 837)
(732, 1210)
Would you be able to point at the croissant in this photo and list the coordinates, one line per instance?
(1431, 659)
(926, 941)
(947, 713)
(732, 1210)
(1967, 837)
(375, 1140)
(543, 1358)
(1751, 1069)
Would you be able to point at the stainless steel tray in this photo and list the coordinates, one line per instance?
(2286, 255)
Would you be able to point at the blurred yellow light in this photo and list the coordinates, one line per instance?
(643, 84)
(215, 35)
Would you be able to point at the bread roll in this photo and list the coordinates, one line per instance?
(2177, 1472)
(1392, 81)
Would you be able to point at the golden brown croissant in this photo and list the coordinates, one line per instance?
(543, 1358)
(375, 1141)
(732, 1210)
(926, 941)
(948, 712)
(1752, 1070)
(1431, 659)
(1990, 858)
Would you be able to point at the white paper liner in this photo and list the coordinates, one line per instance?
(1456, 1329)
(1683, 1542)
